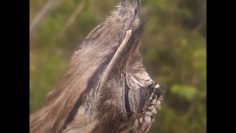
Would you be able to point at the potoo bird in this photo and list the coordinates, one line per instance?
(105, 88)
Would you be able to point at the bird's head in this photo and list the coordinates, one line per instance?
(125, 89)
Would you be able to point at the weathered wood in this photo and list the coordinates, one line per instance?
(105, 88)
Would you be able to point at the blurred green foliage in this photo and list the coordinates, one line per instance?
(173, 48)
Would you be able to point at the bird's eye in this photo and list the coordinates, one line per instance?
(135, 11)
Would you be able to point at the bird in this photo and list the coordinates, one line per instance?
(105, 87)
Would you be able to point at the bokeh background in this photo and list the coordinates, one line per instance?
(173, 48)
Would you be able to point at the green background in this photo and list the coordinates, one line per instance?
(173, 48)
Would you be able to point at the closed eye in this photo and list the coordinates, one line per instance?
(127, 107)
(135, 11)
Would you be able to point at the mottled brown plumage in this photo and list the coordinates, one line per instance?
(105, 88)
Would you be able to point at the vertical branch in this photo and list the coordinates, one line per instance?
(49, 6)
(72, 18)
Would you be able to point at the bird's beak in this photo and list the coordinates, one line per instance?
(123, 53)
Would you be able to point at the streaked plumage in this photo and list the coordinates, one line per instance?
(105, 88)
